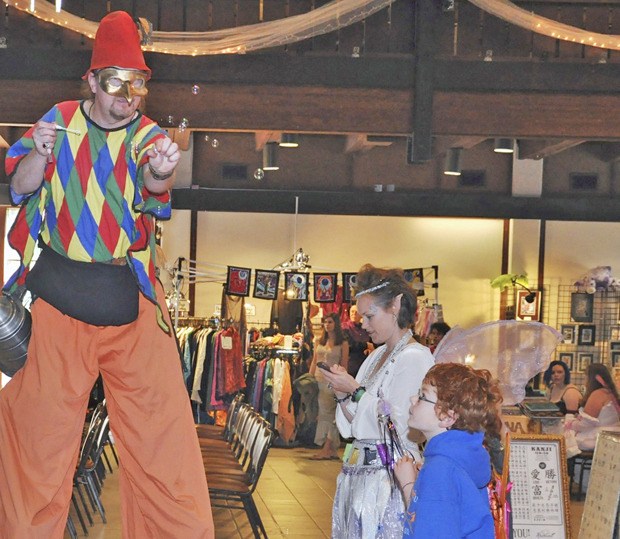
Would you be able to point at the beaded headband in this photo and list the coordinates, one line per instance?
(372, 289)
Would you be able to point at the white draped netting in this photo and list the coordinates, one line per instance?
(328, 18)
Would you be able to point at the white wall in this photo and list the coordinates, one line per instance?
(578, 247)
(467, 251)
(525, 236)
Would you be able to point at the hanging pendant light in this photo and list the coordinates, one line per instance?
(504, 145)
(270, 154)
(453, 162)
(289, 140)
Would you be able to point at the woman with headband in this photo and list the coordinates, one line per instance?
(373, 408)
(600, 410)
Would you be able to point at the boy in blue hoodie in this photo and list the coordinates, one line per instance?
(457, 407)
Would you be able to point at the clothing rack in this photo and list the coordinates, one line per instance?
(197, 321)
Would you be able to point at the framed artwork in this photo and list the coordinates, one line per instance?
(614, 345)
(614, 333)
(238, 281)
(585, 358)
(600, 509)
(568, 332)
(296, 285)
(538, 471)
(325, 286)
(525, 308)
(348, 283)
(581, 306)
(615, 359)
(586, 335)
(415, 277)
(266, 284)
(569, 359)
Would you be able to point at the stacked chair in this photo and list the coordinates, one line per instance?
(90, 471)
(234, 457)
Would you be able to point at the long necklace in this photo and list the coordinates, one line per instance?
(381, 373)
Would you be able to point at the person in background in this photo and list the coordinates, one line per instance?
(359, 341)
(561, 392)
(91, 177)
(600, 410)
(438, 331)
(366, 503)
(457, 408)
(331, 349)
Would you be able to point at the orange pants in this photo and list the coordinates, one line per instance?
(163, 487)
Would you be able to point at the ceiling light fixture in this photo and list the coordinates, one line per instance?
(504, 145)
(289, 140)
(453, 162)
(270, 153)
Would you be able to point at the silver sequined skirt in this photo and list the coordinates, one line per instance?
(368, 504)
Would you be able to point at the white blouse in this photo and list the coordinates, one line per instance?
(397, 384)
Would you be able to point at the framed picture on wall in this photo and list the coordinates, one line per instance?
(296, 285)
(569, 359)
(348, 282)
(614, 333)
(585, 358)
(238, 281)
(568, 332)
(266, 284)
(581, 306)
(615, 359)
(325, 285)
(586, 335)
(527, 305)
(614, 345)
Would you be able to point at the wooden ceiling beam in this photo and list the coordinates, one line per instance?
(345, 110)
(263, 137)
(360, 142)
(435, 204)
(181, 136)
(525, 114)
(449, 74)
(427, 16)
(539, 149)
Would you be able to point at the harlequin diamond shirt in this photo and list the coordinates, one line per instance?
(92, 205)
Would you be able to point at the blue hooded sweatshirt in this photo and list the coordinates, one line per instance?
(450, 498)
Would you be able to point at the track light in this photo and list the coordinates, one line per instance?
(289, 140)
(453, 162)
(504, 145)
(270, 153)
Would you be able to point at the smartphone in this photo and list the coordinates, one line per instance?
(323, 365)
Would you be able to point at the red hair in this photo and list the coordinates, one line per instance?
(472, 394)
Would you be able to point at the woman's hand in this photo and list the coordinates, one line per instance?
(340, 380)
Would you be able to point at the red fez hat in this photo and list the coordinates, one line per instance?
(117, 44)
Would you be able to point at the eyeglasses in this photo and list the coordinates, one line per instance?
(421, 397)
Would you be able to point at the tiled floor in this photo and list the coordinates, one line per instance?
(294, 498)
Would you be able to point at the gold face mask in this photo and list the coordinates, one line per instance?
(125, 83)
